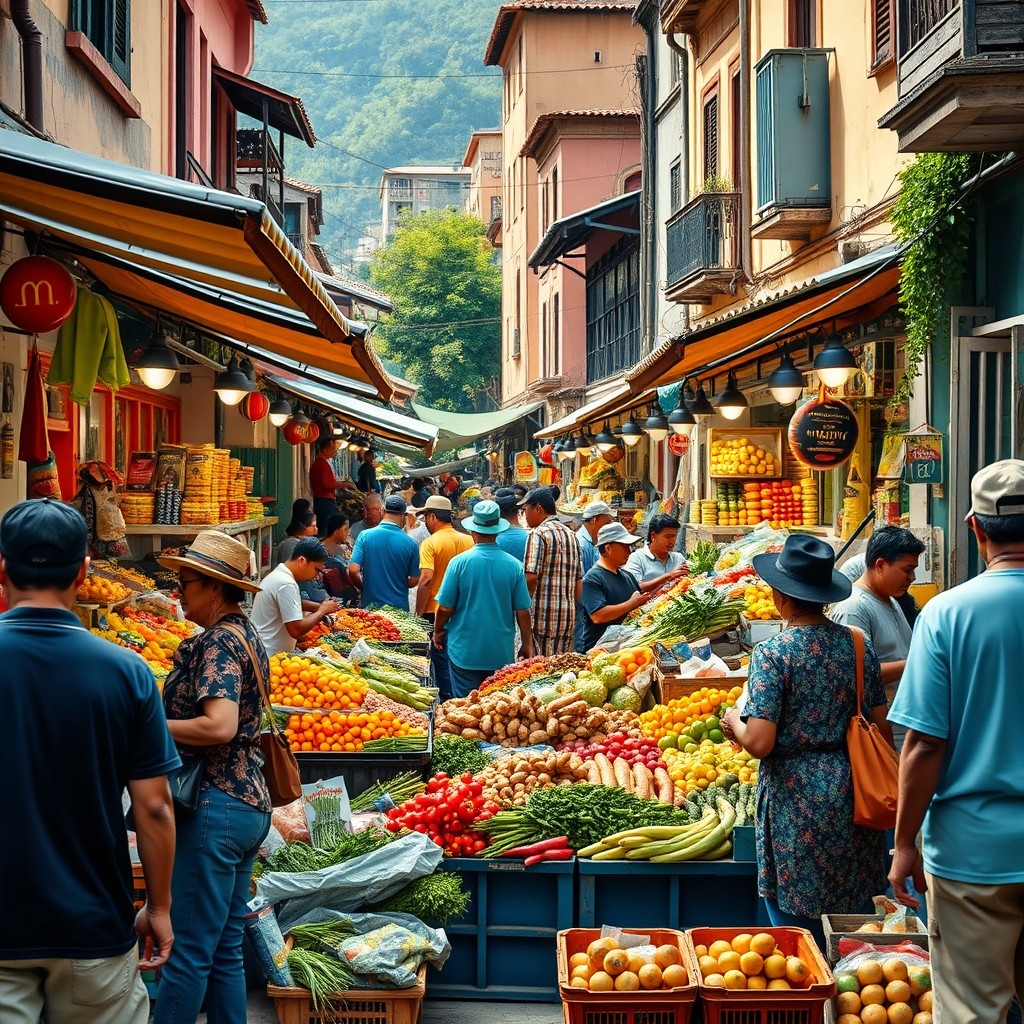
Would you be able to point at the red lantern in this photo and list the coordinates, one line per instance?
(300, 433)
(254, 406)
(37, 294)
(545, 455)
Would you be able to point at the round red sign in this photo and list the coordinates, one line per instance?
(37, 294)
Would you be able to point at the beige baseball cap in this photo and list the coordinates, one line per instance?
(998, 490)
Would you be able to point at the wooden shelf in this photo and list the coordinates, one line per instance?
(194, 529)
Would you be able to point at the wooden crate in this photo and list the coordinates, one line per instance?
(360, 1005)
(844, 926)
(673, 687)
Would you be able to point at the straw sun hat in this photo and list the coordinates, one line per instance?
(219, 556)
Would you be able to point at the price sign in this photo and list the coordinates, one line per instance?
(823, 433)
(923, 460)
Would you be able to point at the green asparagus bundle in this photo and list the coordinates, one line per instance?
(696, 612)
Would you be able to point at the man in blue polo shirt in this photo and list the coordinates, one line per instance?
(82, 720)
(386, 561)
(483, 596)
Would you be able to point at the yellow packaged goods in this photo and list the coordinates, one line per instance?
(199, 472)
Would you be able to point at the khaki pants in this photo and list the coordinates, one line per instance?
(976, 936)
(107, 991)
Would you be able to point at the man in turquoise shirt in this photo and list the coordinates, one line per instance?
(962, 766)
(385, 562)
(483, 596)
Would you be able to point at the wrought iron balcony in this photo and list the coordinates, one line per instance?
(249, 150)
(960, 75)
(703, 243)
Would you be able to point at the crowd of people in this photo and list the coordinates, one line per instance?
(69, 935)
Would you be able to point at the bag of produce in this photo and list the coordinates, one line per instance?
(267, 942)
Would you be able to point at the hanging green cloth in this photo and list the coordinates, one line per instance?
(89, 349)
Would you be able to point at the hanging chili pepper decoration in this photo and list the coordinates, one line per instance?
(7, 450)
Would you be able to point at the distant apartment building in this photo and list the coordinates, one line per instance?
(484, 160)
(301, 216)
(369, 242)
(414, 190)
(570, 140)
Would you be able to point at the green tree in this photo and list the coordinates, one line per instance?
(445, 329)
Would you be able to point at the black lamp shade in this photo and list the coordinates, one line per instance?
(786, 382)
(700, 405)
(731, 402)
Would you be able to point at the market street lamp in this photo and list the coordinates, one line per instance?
(232, 385)
(732, 403)
(834, 363)
(786, 382)
(157, 364)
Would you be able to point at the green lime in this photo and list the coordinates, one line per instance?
(716, 735)
(698, 729)
(667, 741)
(847, 983)
(712, 722)
(690, 748)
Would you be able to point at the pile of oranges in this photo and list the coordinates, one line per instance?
(605, 967)
(97, 590)
(299, 681)
(335, 731)
(751, 962)
(679, 714)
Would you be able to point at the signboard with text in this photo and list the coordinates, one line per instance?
(923, 459)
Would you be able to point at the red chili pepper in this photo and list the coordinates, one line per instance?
(558, 843)
(564, 854)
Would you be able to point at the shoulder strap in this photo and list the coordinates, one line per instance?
(257, 668)
(858, 652)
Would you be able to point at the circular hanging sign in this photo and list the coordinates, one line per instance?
(37, 294)
(823, 433)
(300, 433)
(678, 444)
(615, 455)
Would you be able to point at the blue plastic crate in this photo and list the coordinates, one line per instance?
(504, 946)
(687, 895)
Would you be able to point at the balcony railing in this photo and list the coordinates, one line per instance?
(959, 75)
(249, 150)
(703, 243)
(919, 17)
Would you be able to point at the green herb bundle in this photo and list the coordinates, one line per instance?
(436, 898)
(455, 756)
(401, 788)
(328, 828)
(303, 857)
(325, 976)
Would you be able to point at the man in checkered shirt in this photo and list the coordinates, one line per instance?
(554, 573)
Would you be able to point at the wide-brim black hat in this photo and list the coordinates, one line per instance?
(804, 569)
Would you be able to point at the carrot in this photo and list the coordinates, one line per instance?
(544, 846)
(564, 854)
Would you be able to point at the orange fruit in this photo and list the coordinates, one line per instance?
(627, 981)
(778, 983)
(757, 981)
(894, 969)
(668, 954)
(897, 992)
(775, 966)
(874, 1014)
(872, 994)
(741, 942)
(735, 979)
(763, 943)
(634, 961)
(707, 964)
(924, 1017)
(675, 975)
(650, 976)
(797, 972)
(720, 946)
(848, 1002)
(713, 981)
(870, 972)
(601, 982)
(751, 963)
(900, 1013)
(729, 961)
(699, 950)
(581, 971)
(616, 962)
(920, 979)
(924, 1002)
(578, 983)
(848, 1018)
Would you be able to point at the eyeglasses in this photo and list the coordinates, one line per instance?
(183, 584)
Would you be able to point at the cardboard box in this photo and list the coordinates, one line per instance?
(753, 631)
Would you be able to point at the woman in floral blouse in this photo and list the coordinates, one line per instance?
(214, 709)
(801, 694)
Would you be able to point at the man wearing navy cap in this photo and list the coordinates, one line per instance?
(385, 562)
(82, 719)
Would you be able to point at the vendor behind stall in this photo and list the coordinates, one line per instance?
(610, 591)
(658, 562)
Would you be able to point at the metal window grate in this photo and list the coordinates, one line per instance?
(675, 186)
(711, 137)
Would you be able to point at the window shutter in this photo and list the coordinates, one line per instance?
(711, 138)
(121, 39)
(883, 31)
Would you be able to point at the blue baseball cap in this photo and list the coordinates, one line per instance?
(43, 533)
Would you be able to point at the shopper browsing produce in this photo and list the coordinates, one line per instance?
(802, 688)
(277, 610)
(68, 930)
(595, 515)
(512, 540)
(658, 563)
(302, 524)
(323, 484)
(373, 513)
(482, 585)
(962, 764)
(385, 562)
(610, 592)
(215, 712)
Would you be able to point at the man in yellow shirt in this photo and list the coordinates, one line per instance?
(443, 544)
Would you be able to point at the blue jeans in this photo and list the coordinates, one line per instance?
(466, 679)
(210, 889)
(441, 673)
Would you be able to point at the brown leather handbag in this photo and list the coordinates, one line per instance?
(874, 763)
(280, 769)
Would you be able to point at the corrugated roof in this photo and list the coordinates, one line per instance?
(545, 121)
(507, 15)
(305, 186)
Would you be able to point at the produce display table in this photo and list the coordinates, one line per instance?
(679, 896)
(504, 947)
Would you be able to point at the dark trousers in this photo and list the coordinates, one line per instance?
(440, 667)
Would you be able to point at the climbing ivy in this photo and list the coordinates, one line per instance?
(935, 264)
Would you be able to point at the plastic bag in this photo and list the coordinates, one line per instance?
(267, 942)
(859, 953)
(759, 541)
(290, 821)
(711, 667)
(361, 652)
(367, 879)
(386, 949)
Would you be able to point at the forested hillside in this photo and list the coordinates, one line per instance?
(385, 82)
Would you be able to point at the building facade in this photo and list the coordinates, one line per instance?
(408, 191)
(483, 158)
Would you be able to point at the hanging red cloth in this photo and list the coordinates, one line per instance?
(33, 442)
